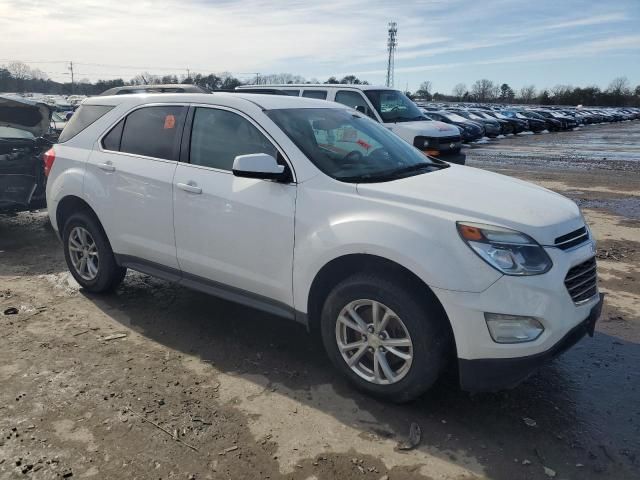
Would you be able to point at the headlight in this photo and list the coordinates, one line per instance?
(508, 251)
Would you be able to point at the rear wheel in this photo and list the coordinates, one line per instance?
(89, 255)
(387, 341)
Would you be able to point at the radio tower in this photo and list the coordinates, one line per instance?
(392, 43)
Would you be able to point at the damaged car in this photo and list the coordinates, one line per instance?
(24, 126)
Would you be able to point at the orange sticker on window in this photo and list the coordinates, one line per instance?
(364, 144)
(169, 122)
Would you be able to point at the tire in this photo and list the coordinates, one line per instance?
(422, 318)
(106, 275)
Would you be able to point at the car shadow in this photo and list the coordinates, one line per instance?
(579, 404)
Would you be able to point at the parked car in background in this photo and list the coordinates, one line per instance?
(470, 131)
(533, 124)
(506, 127)
(401, 263)
(57, 124)
(551, 124)
(491, 126)
(384, 105)
(23, 129)
(518, 125)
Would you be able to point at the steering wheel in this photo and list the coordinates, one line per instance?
(353, 157)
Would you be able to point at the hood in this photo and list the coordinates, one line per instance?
(17, 112)
(429, 128)
(470, 194)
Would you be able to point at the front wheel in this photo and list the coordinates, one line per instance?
(388, 342)
(89, 255)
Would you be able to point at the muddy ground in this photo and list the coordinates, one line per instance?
(158, 382)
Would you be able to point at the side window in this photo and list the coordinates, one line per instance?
(319, 94)
(111, 141)
(293, 93)
(153, 131)
(219, 136)
(353, 100)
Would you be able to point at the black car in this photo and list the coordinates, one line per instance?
(505, 126)
(24, 126)
(552, 124)
(469, 130)
(517, 124)
(534, 124)
(491, 126)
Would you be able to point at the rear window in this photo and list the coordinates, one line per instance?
(84, 116)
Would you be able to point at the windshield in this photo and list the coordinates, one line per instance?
(10, 132)
(349, 146)
(394, 106)
(454, 117)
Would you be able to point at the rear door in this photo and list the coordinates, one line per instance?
(135, 163)
(21, 170)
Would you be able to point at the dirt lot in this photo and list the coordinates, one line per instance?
(201, 388)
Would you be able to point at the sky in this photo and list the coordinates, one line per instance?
(544, 43)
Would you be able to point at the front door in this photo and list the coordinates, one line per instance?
(235, 234)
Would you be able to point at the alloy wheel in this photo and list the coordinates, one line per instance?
(83, 252)
(374, 342)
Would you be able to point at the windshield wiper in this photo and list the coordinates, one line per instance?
(393, 174)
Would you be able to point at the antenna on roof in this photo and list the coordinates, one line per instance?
(392, 43)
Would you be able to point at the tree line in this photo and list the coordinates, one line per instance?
(619, 93)
(19, 77)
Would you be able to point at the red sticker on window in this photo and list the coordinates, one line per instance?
(169, 122)
(364, 144)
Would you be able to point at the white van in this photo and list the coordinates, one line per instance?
(388, 106)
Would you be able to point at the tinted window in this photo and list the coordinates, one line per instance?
(84, 116)
(219, 136)
(353, 100)
(293, 93)
(319, 94)
(153, 132)
(111, 141)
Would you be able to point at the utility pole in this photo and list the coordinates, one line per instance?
(392, 43)
(71, 70)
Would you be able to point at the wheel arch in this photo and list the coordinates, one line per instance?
(344, 266)
(71, 204)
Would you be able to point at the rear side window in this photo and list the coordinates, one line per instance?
(153, 131)
(319, 94)
(111, 140)
(293, 93)
(81, 119)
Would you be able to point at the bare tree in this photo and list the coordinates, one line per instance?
(459, 90)
(619, 86)
(484, 90)
(19, 70)
(145, 78)
(424, 90)
(527, 93)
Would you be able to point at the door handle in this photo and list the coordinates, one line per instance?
(190, 187)
(107, 167)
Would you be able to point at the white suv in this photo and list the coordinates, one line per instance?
(314, 212)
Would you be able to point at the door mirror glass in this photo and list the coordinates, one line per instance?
(258, 165)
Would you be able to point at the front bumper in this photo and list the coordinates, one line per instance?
(492, 374)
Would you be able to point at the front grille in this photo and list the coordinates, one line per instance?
(445, 142)
(581, 281)
(572, 239)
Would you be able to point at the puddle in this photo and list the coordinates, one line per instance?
(626, 207)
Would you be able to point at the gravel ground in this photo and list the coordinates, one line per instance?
(156, 381)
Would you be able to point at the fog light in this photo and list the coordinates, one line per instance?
(513, 328)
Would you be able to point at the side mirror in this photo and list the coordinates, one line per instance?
(361, 109)
(258, 165)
